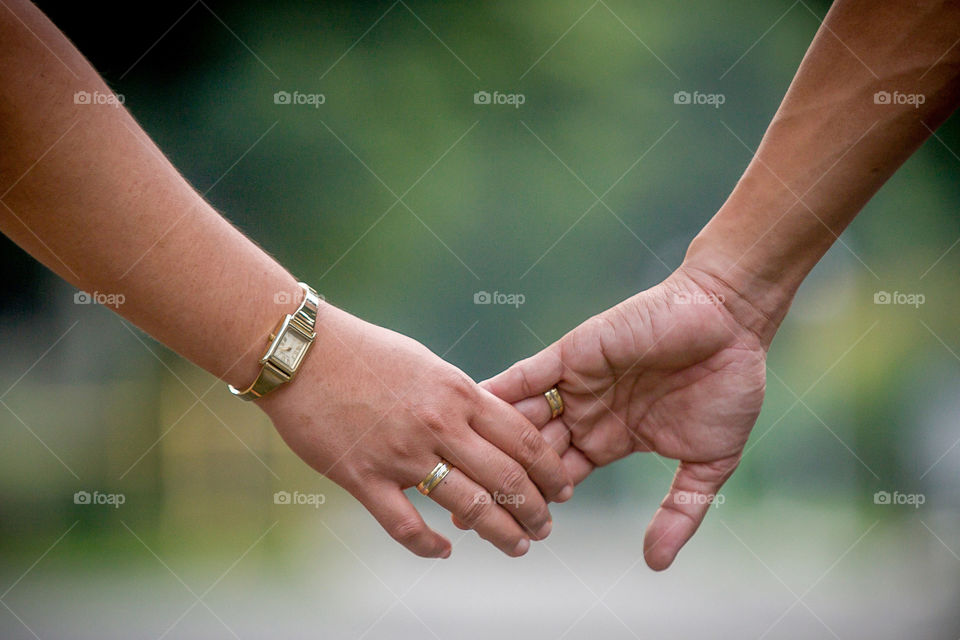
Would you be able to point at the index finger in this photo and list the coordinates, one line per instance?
(530, 377)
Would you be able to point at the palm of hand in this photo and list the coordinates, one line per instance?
(666, 371)
(669, 370)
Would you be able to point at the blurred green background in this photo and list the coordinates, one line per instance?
(400, 198)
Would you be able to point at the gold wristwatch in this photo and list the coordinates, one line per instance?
(289, 344)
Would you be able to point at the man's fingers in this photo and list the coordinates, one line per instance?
(558, 437)
(402, 521)
(535, 409)
(694, 489)
(527, 378)
(577, 464)
(472, 507)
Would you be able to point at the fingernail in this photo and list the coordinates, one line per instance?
(565, 494)
(545, 530)
(521, 547)
(446, 554)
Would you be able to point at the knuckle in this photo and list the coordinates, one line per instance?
(433, 418)
(530, 446)
(397, 441)
(461, 386)
(403, 450)
(525, 385)
(407, 530)
(512, 480)
(475, 509)
(360, 473)
(542, 515)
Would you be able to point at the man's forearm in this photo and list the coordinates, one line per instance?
(877, 79)
(86, 192)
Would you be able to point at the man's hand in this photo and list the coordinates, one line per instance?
(671, 370)
(375, 411)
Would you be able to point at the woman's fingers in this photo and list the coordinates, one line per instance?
(402, 521)
(505, 428)
(506, 480)
(538, 412)
(473, 507)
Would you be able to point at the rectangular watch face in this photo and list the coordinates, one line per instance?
(290, 348)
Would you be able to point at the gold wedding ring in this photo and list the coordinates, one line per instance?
(555, 402)
(435, 477)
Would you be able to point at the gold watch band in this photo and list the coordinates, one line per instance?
(274, 371)
(269, 379)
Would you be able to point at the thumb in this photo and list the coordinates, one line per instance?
(527, 378)
(693, 490)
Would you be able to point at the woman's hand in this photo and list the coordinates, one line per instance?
(375, 411)
(672, 370)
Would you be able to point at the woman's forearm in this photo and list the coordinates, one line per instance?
(877, 79)
(86, 192)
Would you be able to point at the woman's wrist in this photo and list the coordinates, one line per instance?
(315, 369)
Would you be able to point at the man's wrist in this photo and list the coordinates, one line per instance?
(756, 300)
